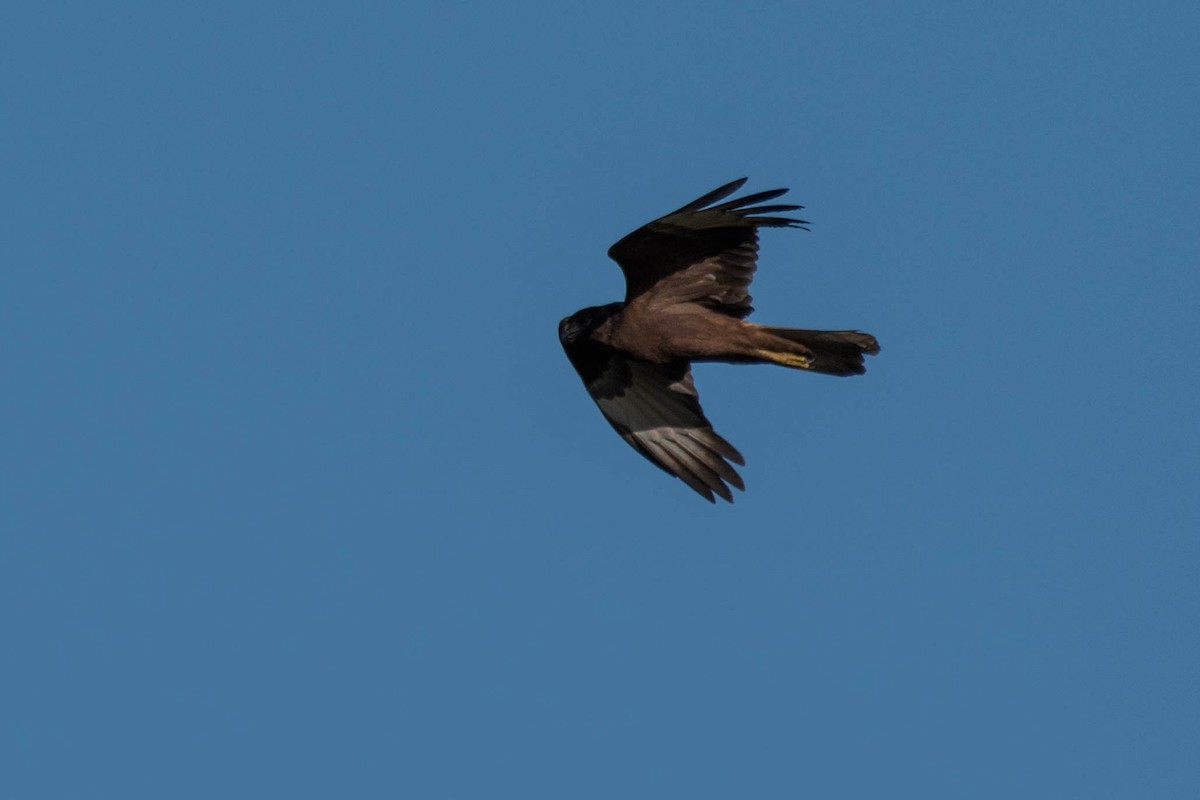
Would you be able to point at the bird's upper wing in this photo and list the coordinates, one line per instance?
(656, 409)
(702, 253)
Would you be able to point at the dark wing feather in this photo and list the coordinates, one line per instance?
(701, 253)
(656, 409)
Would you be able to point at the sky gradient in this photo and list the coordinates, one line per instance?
(300, 497)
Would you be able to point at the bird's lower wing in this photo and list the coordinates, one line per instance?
(655, 407)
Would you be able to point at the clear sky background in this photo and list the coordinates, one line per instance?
(300, 497)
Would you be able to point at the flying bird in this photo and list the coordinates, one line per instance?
(686, 281)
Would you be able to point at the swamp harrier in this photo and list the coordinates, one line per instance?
(686, 281)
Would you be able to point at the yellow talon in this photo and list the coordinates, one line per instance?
(785, 359)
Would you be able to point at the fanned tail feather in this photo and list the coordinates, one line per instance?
(828, 352)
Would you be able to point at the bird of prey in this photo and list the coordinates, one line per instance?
(686, 281)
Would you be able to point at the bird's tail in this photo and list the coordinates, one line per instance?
(829, 352)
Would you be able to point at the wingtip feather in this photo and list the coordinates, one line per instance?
(713, 196)
(750, 199)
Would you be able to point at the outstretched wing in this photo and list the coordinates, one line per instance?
(656, 409)
(702, 253)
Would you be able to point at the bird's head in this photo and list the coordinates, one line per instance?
(581, 324)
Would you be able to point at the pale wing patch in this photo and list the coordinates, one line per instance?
(658, 413)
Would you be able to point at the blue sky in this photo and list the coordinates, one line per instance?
(300, 497)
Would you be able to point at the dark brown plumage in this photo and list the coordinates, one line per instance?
(686, 281)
